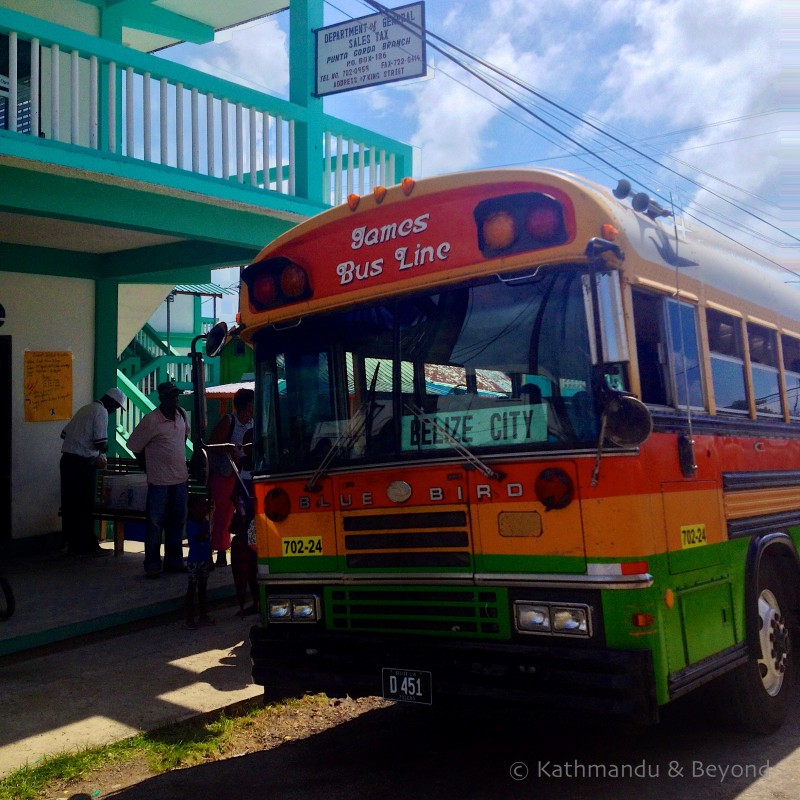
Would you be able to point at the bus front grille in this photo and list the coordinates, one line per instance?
(421, 539)
(435, 611)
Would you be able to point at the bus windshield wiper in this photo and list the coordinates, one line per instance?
(348, 436)
(459, 447)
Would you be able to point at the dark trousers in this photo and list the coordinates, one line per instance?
(77, 503)
(166, 512)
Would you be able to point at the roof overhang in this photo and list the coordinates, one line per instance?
(149, 25)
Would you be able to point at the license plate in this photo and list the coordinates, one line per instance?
(407, 685)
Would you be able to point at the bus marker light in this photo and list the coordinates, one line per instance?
(609, 232)
(277, 505)
(634, 568)
(407, 186)
(379, 192)
(554, 488)
(353, 200)
(398, 491)
(628, 568)
(642, 620)
(499, 230)
(294, 281)
(669, 598)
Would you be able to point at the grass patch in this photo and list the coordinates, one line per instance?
(164, 749)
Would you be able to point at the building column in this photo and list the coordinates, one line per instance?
(304, 17)
(106, 312)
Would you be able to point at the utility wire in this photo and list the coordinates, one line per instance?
(417, 30)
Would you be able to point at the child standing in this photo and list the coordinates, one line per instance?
(198, 564)
(243, 554)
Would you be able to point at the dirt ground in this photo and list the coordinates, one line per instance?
(276, 725)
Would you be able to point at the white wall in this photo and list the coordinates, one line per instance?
(136, 304)
(43, 313)
(181, 315)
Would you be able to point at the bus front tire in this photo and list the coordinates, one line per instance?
(760, 690)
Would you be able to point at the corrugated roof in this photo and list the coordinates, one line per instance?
(228, 389)
(205, 289)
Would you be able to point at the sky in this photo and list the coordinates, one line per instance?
(700, 89)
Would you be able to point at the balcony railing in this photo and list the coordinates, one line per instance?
(90, 93)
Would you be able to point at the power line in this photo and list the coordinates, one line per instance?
(503, 91)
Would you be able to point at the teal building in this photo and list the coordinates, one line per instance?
(123, 175)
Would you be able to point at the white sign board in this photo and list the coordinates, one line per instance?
(517, 424)
(372, 50)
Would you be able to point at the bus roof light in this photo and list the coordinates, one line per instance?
(543, 223)
(264, 290)
(407, 186)
(294, 281)
(353, 200)
(275, 282)
(519, 223)
(379, 193)
(499, 230)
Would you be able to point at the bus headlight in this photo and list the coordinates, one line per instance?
(299, 608)
(550, 618)
(278, 609)
(532, 618)
(572, 620)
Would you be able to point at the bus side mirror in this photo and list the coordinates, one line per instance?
(627, 421)
(215, 339)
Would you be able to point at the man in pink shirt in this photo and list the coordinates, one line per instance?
(159, 444)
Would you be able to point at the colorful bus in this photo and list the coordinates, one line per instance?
(524, 438)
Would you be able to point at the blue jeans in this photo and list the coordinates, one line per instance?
(166, 511)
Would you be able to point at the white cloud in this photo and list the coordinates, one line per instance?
(256, 54)
(696, 65)
(693, 61)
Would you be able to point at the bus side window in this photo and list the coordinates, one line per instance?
(668, 351)
(791, 363)
(727, 361)
(762, 343)
(648, 314)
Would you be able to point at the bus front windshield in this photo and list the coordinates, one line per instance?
(501, 366)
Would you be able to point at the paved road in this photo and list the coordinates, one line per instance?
(112, 687)
(399, 752)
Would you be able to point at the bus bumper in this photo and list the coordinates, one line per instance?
(618, 682)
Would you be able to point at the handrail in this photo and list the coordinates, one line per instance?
(137, 404)
(136, 105)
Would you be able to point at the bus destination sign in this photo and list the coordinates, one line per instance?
(372, 50)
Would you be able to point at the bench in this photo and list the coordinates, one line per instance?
(117, 513)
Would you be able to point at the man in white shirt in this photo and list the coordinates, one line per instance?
(85, 443)
(159, 443)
